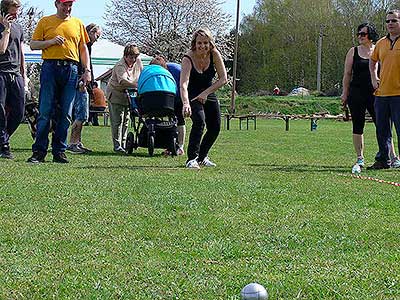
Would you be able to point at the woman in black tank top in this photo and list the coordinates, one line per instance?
(358, 92)
(199, 67)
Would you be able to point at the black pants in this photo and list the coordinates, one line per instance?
(203, 115)
(360, 100)
(12, 101)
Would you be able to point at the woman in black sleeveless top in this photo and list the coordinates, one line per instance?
(199, 67)
(358, 92)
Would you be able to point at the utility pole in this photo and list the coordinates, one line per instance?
(319, 63)
(235, 54)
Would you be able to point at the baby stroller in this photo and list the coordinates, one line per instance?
(153, 107)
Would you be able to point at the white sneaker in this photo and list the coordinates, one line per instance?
(356, 170)
(193, 164)
(120, 150)
(395, 163)
(207, 162)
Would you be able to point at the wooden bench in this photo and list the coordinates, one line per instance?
(286, 118)
(105, 114)
(241, 118)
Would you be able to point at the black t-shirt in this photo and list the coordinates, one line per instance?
(10, 61)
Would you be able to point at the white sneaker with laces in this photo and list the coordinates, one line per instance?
(193, 164)
(395, 163)
(207, 162)
(356, 170)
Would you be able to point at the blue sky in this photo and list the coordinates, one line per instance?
(93, 10)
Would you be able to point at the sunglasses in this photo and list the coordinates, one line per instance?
(362, 34)
(391, 21)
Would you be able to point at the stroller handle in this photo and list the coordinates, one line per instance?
(131, 94)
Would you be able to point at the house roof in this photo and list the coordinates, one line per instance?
(105, 76)
(104, 53)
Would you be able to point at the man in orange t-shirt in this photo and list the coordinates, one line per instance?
(98, 103)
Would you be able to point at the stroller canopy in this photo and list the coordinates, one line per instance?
(155, 78)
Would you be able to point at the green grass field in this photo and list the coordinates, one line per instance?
(276, 210)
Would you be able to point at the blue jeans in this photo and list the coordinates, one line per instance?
(387, 111)
(57, 92)
(81, 106)
(12, 101)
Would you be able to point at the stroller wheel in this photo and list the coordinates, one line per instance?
(130, 141)
(151, 145)
(174, 147)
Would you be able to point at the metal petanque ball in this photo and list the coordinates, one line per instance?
(254, 291)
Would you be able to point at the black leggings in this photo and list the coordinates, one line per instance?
(360, 101)
(209, 115)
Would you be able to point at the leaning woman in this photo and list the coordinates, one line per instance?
(199, 67)
(358, 90)
(125, 75)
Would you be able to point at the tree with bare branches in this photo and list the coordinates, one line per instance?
(28, 18)
(166, 25)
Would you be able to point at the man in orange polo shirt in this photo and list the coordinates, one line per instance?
(63, 40)
(387, 88)
(98, 103)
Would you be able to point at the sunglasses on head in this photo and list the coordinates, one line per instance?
(391, 21)
(362, 34)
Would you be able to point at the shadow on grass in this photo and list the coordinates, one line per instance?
(21, 150)
(139, 154)
(94, 153)
(302, 168)
(123, 167)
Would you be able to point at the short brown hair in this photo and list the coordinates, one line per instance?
(202, 32)
(159, 60)
(6, 4)
(131, 49)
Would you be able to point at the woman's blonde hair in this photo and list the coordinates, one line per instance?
(131, 49)
(202, 32)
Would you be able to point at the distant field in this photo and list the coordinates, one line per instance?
(276, 210)
(286, 104)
